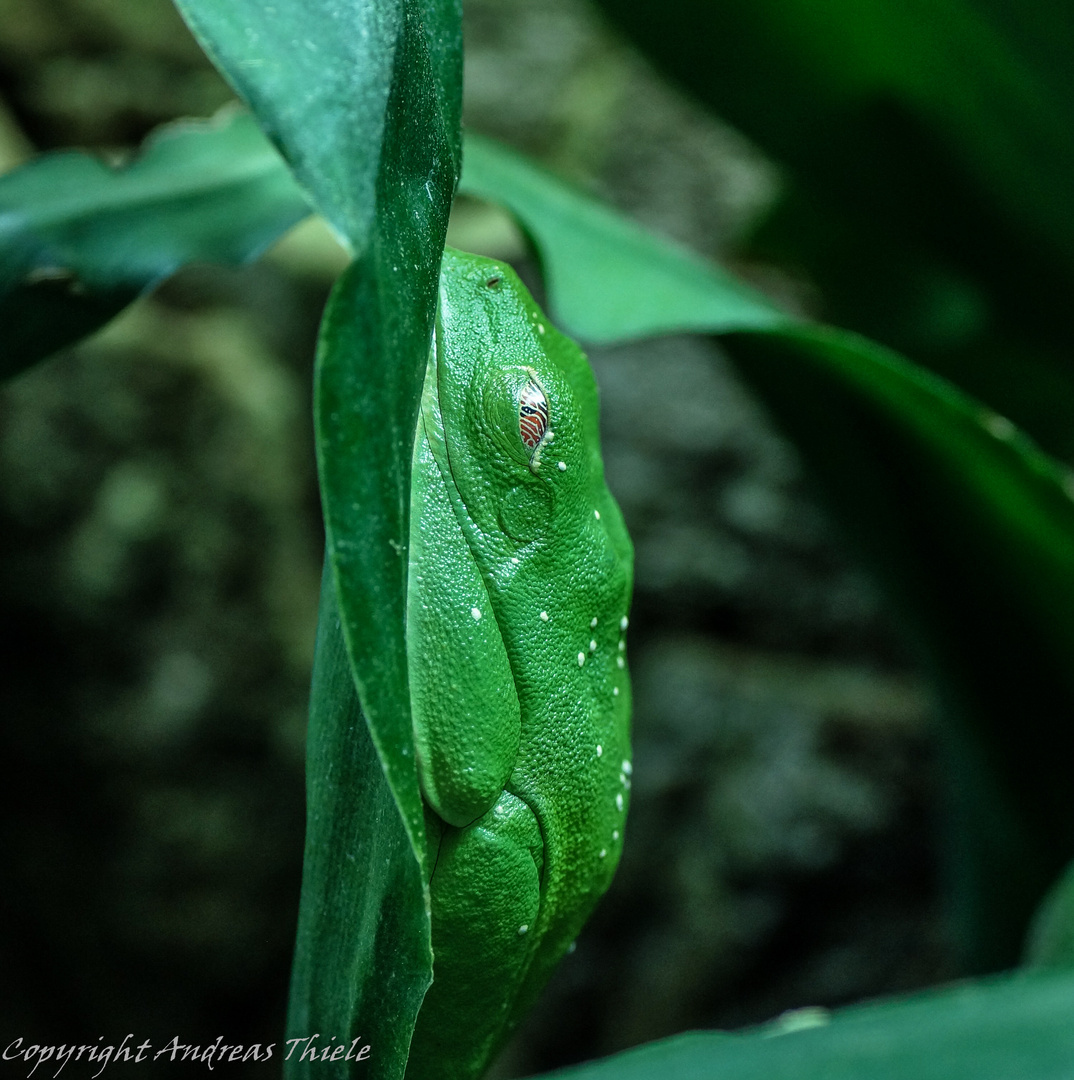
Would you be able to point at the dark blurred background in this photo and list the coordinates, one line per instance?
(161, 555)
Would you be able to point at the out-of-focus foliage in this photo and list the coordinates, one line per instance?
(1051, 937)
(929, 156)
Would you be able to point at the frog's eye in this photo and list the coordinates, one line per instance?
(532, 416)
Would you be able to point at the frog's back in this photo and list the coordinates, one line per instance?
(516, 436)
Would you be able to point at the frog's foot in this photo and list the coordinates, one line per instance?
(486, 898)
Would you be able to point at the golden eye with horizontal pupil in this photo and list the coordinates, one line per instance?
(532, 416)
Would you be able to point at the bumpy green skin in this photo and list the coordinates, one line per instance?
(520, 581)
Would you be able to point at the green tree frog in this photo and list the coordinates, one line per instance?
(519, 584)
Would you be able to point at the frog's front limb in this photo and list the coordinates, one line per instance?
(486, 898)
(464, 706)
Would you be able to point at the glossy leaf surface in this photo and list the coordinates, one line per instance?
(359, 869)
(363, 101)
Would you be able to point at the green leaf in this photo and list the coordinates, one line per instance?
(80, 239)
(1006, 1029)
(840, 90)
(366, 400)
(966, 523)
(359, 871)
(319, 75)
(608, 279)
(928, 147)
(363, 100)
(988, 79)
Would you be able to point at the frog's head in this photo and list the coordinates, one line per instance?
(518, 416)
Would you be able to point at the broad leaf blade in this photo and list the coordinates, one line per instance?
(358, 872)
(967, 524)
(318, 76)
(1006, 1029)
(80, 239)
(608, 279)
(377, 148)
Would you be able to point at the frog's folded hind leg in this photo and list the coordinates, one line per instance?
(485, 903)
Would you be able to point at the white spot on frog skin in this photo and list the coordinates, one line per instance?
(514, 560)
(593, 623)
(592, 646)
(540, 328)
(476, 612)
(615, 834)
(581, 659)
(624, 622)
(549, 436)
(623, 780)
(622, 646)
(561, 465)
(620, 661)
(615, 691)
(596, 514)
(628, 768)
(603, 852)
(600, 750)
(619, 800)
(571, 947)
(544, 616)
(522, 929)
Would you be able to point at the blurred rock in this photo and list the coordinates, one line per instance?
(101, 73)
(159, 577)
